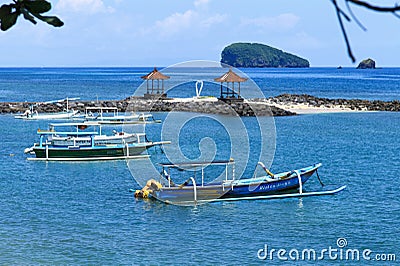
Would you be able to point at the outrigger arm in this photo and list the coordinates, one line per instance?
(266, 169)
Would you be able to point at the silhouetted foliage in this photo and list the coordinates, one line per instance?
(30, 9)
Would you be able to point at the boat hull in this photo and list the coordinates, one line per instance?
(186, 195)
(48, 116)
(270, 187)
(77, 152)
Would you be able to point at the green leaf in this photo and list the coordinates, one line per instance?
(52, 20)
(28, 16)
(38, 6)
(9, 20)
(5, 10)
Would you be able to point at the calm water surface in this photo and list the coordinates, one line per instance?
(46, 84)
(83, 213)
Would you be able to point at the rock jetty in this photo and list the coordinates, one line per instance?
(140, 104)
(252, 107)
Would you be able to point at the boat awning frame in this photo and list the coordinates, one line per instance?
(196, 164)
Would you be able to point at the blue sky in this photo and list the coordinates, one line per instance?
(160, 32)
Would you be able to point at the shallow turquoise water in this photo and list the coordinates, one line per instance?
(79, 213)
(83, 213)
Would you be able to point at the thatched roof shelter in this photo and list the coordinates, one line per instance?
(155, 75)
(230, 77)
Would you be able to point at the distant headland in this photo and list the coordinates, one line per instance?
(260, 55)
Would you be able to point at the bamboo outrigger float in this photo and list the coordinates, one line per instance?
(270, 186)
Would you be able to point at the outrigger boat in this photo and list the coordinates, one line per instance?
(32, 114)
(270, 186)
(110, 115)
(85, 144)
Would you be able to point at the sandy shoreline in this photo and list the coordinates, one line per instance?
(308, 109)
(298, 108)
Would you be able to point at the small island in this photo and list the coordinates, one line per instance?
(259, 55)
(366, 64)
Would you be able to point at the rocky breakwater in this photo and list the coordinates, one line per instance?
(208, 106)
(352, 104)
(21, 107)
(139, 104)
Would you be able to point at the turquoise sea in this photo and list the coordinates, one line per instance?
(84, 213)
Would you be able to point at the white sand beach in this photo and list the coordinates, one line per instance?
(300, 108)
(308, 109)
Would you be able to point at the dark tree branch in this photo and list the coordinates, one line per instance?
(396, 15)
(339, 14)
(354, 17)
(375, 8)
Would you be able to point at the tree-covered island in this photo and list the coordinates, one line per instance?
(259, 55)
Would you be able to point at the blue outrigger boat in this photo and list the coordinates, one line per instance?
(269, 186)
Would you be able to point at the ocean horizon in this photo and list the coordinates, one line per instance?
(97, 83)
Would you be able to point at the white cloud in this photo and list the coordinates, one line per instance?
(305, 41)
(83, 6)
(174, 23)
(200, 3)
(282, 22)
(180, 22)
(216, 19)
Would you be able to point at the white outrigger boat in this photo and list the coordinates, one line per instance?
(111, 115)
(32, 114)
(83, 144)
(287, 184)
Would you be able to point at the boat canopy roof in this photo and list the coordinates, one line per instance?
(62, 100)
(67, 133)
(194, 164)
